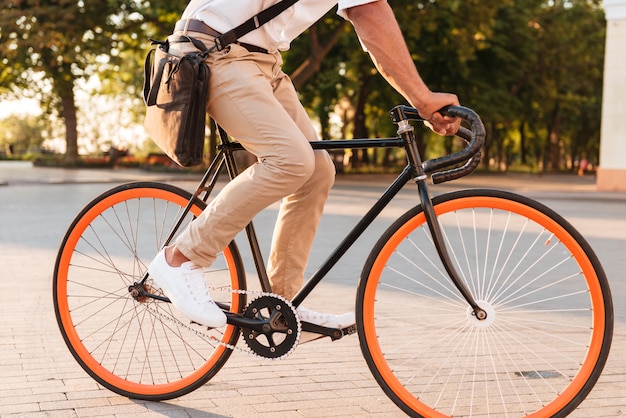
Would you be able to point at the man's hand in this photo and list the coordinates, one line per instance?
(438, 123)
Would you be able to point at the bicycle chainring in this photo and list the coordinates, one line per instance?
(281, 327)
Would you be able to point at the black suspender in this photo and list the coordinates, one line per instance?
(253, 23)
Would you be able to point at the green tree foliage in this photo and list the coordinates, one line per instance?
(569, 79)
(20, 134)
(63, 40)
(538, 83)
(46, 46)
(531, 68)
(314, 62)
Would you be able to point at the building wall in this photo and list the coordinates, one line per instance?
(612, 170)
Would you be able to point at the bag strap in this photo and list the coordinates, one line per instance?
(253, 23)
(149, 93)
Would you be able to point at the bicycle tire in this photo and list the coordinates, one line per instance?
(138, 348)
(549, 327)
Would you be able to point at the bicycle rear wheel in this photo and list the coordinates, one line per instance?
(550, 316)
(138, 347)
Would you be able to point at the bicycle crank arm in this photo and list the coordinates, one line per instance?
(259, 325)
(333, 333)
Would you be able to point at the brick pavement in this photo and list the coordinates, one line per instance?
(39, 377)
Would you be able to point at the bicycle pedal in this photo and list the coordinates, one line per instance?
(349, 330)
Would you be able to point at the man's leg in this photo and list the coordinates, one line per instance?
(300, 212)
(270, 122)
(242, 101)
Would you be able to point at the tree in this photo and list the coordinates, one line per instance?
(319, 49)
(20, 134)
(62, 40)
(569, 76)
(47, 45)
(536, 78)
(531, 68)
(500, 78)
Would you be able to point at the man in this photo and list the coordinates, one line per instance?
(256, 103)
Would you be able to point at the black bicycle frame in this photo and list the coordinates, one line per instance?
(414, 170)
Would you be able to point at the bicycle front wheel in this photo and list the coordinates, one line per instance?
(549, 312)
(138, 347)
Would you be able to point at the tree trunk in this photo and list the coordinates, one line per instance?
(523, 146)
(554, 139)
(360, 128)
(63, 86)
(489, 127)
(322, 115)
(68, 111)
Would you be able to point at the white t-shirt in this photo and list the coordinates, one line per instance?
(224, 15)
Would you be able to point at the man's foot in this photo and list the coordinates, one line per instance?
(187, 290)
(326, 320)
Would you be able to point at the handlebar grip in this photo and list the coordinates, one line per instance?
(475, 136)
(464, 170)
(469, 156)
(456, 173)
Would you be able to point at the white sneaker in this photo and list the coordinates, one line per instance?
(187, 290)
(326, 320)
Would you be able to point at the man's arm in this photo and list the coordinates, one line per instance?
(376, 26)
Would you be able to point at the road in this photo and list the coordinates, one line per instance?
(38, 376)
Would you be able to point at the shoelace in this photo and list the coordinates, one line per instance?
(194, 277)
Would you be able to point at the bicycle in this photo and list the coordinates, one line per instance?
(472, 303)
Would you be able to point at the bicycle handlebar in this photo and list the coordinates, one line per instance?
(470, 155)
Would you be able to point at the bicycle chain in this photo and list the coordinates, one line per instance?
(219, 342)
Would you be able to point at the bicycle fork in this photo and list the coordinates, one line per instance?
(405, 129)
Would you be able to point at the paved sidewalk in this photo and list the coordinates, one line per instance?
(40, 378)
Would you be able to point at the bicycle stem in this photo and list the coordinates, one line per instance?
(406, 130)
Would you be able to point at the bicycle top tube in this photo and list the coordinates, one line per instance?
(469, 157)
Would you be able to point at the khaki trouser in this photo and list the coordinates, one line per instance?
(255, 102)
